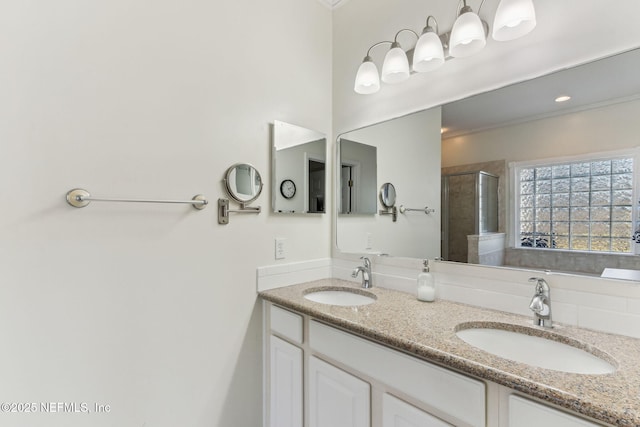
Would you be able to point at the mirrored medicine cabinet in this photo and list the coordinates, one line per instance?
(299, 171)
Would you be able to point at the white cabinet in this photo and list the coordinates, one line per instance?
(286, 384)
(336, 398)
(439, 389)
(397, 413)
(525, 413)
(321, 376)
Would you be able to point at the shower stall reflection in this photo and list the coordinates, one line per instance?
(470, 218)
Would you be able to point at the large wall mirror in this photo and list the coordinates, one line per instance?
(492, 134)
(298, 170)
(404, 152)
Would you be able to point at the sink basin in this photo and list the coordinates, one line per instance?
(340, 296)
(535, 350)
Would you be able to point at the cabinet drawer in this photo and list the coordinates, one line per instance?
(525, 413)
(286, 324)
(454, 394)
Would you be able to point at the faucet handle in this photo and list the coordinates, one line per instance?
(367, 261)
(541, 284)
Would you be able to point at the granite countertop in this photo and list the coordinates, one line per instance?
(428, 331)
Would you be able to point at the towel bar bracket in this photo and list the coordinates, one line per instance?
(77, 198)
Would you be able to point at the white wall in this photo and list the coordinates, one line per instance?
(150, 309)
(408, 153)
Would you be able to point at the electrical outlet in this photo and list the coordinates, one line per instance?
(281, 248)
(369, 241)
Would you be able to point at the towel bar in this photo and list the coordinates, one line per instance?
(79, 198)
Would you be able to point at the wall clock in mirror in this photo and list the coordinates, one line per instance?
(287, 188)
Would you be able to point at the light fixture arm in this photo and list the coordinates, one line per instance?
(467, 8)
(395, 39)
(429, 28)
(368, 57)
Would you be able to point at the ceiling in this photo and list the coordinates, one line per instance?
(609, 80)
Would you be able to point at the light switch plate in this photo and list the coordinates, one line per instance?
(281, 248)
(369, 243)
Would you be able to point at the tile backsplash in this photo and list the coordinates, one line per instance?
(606, 305)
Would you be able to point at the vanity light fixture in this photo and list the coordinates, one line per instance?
(429, 52)
(468, 34)
(513, 19)
(395, 68)
(367, 78)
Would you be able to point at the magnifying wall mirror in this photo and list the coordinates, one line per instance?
(388, 195)
(243, 183)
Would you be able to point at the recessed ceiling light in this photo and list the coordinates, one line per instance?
(563, 98)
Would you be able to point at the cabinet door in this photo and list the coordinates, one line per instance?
(396, 413)
(525, 413)
(285, 398)
(336, 398)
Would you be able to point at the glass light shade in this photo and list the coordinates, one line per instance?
(467, 35)
(395, 68)
(428, 53)
(367, 78)
(514, 18)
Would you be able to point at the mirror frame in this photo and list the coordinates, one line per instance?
(385, 195)
(232, 193)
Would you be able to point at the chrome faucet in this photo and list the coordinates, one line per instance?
(541, 303)
(367, 279)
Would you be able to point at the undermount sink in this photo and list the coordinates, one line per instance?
(340, 296)
(535, 350)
